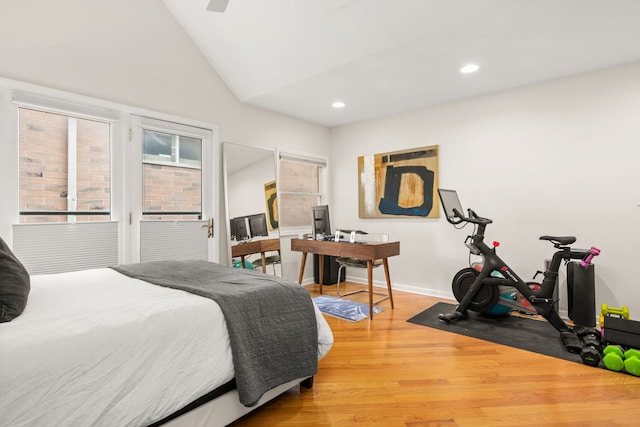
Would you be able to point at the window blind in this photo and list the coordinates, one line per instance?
(177, 240)
(302, 158)
(57, 248)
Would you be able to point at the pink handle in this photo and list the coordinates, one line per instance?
(593, 252)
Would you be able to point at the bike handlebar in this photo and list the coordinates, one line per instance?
(472, 218)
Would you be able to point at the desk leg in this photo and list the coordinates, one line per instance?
(264, 263)
(386, 274)
(370, 282)
(304, 261)
(242, 261)
(321, 268)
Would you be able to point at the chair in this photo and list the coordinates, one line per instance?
(362, 263)
(268, 260)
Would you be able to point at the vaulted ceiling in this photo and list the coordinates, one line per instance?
(382, 57)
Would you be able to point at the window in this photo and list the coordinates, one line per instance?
(172, 176)
(302, 184)
(164, 148)
(64, 168)
(74, 190)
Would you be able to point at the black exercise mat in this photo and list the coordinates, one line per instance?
(519, 332)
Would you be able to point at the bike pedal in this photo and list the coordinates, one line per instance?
(450, 317)
(444, 318)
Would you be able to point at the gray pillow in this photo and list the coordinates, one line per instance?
(14, 284)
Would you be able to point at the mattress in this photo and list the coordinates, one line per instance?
(98, 348)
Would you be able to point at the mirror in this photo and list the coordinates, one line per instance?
(251, 207)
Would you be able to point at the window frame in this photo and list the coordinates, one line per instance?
(173, 160)
(76, 111)
(180, 129)
(323, 185)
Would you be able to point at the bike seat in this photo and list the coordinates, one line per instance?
(562, 240)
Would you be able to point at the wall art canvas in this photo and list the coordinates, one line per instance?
(271, 199)
(399, 184)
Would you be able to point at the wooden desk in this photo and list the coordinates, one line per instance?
(370, 251)
(255, 247)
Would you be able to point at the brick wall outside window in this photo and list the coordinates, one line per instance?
(93, 166)
(44, 166)
(171, 188)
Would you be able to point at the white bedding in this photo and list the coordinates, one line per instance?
(98, 348)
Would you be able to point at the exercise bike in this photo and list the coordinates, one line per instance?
(492, 287)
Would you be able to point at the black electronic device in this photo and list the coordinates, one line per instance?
(239, 228)
(451, 204)
(320, 223)
(258, 225)
(330, 270)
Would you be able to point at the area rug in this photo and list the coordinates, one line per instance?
(344, 308)
(513, 331)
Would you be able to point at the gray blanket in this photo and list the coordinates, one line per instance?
(271, 321)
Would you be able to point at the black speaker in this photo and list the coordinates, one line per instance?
(329, 272)
(581, 294)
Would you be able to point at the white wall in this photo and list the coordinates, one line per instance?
(554, 158)
(246, 188)
(134, 53)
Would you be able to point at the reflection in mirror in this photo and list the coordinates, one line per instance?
(252, 208)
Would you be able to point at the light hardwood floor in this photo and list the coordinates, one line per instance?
(388, 372)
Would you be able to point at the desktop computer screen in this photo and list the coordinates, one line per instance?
(258, 225)
(320, 220)
(450, 201)
(239, 229)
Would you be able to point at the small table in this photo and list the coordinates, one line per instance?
(254, 247)
(369, 251)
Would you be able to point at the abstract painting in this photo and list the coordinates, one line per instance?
(271, 198)
(399, 183)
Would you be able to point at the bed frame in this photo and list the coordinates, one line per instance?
(225, 409)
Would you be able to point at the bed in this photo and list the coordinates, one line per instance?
(103, 347)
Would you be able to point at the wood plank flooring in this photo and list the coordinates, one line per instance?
(388, 372)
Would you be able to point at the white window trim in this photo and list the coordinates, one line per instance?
(79, 110)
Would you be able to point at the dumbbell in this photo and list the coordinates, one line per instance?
(616, 359)
(622, 312)
(632, 362)
(591, 353)
(593, 252)
(613, 357)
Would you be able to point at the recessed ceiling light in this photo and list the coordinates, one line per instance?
(469, 68)
(338, 104)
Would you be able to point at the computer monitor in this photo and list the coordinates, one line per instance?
(258, 225)
(239, 228)
(450, 201)
(320, 220)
